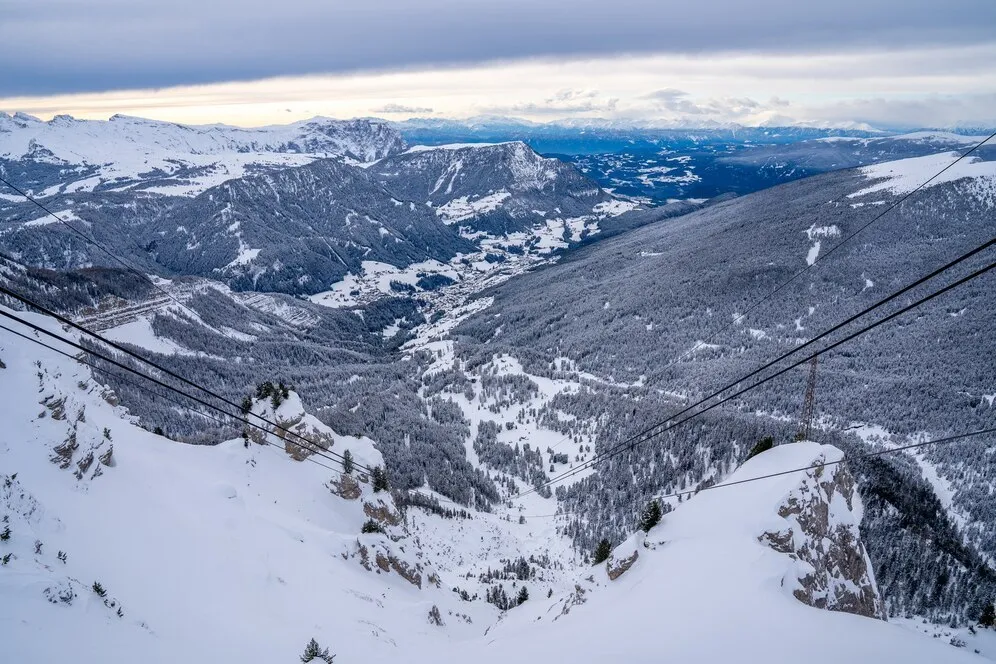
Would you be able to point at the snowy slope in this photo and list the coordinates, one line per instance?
(223, 554)
(704, 588)
(905, 175)
(241, 554)
(162, 157)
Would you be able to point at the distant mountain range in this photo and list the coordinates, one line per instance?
(292, 208)
(593, 136)
(65, 155)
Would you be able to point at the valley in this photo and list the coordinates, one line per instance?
(492, 326)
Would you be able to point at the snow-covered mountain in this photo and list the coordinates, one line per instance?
(702, 167)
(599, 135)
(430, 344)
(643, 323)
(264, 209)
(499, 189)
(124, 543)
(719, 580)
(297, 230)
(125, 153)
(838, 152)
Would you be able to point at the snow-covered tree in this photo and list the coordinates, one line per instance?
(762, 445)
(313, 651)
(602, 551)
(988, 617)
(651, 516)
(379, 478)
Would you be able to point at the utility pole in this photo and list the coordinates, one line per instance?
(808, 407)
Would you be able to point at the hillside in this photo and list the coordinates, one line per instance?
(321, 208)
(703, 585)
(274, 556)
(480, 320)
(498, 189)
(642, 324)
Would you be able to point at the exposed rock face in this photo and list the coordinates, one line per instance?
(84, 443)
(302, 434)
(380, 511)
(616, 568)
(57, 406)
(295, 447)
(345, 486)
(386, 559)
(821, 532)
(63, 453)
(407, 572)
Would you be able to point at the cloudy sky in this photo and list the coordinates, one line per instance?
(898, 64)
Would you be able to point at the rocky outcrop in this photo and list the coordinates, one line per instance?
(300, 437)
(346, 487)
(821, 533)
(616, 568)
(302, 434)
(62, 454)
(381, 557)
(84, 443)
(409, 573)
(378, 510)
(56, 406)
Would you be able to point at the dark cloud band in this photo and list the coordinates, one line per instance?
(58, 46)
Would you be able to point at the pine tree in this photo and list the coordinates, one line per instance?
(523, 596)
(314, 651)
(371, 526)
(988, 617)
(347, 462)
(379, 479)
(651, 516)
(602, 551)
(762, 445)
(99, 589)
(246, 405)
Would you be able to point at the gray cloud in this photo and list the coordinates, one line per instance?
(401, 108)
(563, 102)
(665, 94)
(681, 103)
(63, 46)
(928, 111)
